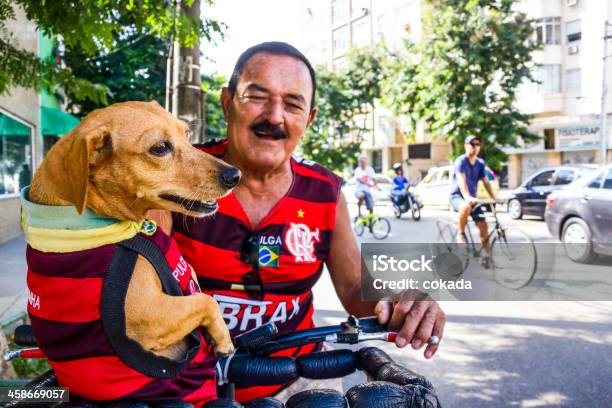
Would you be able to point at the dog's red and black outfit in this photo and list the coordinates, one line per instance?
(265, 273)
(77, 307)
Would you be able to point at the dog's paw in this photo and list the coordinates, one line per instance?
(224, 350)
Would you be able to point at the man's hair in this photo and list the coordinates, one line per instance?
(277, 48)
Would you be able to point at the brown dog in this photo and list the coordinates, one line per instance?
(121, 162)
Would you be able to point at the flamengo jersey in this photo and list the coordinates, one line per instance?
(76, 306)
(290, 246)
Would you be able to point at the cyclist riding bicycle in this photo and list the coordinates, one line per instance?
(469, 170)
(365, 178)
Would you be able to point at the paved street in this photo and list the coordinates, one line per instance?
(494, 354)
(504, 354)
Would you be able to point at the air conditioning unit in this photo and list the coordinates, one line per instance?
(573, 49)
(571, 2)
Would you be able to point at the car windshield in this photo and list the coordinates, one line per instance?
(586, 179)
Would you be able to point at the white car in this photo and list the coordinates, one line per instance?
(434, 189)
(384, 182)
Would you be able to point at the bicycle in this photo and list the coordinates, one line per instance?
(407, 201)
(511, 256)
(379, 227)
(251, 364)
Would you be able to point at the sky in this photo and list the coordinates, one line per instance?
(249, 23)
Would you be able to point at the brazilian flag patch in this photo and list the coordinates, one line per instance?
(268, 256)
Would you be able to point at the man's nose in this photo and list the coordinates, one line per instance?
(275, 111)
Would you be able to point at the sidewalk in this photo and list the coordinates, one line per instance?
(13, 289)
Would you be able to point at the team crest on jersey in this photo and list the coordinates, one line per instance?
(300, 242)
(268, 256)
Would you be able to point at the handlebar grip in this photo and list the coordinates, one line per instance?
(24, 336)
(371, 325)
(317, 398)
(327, 364)
(372, 359)
(400, 375)
(255, 370)
(380, 394)
(256, 337)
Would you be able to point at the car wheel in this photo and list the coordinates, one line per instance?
(576, 237)
(515, 209)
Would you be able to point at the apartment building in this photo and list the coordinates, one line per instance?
(30, 123)
(333, 27)
(566, 104)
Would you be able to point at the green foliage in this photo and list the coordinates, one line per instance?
(345, 98)
(92, 27)
(28, 368)
(463, 77)
(136, 70)
(216, 127)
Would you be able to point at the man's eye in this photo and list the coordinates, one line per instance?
(161, 148)
(294, 106)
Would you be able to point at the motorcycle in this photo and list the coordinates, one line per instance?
(406, 201)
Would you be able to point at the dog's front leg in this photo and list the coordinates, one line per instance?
(158, 321)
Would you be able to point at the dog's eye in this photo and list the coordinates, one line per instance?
(161, 148)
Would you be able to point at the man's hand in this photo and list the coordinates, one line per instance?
(415, 321)
(471, 200)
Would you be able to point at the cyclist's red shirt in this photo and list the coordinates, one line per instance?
(292, 244)
(66, 307)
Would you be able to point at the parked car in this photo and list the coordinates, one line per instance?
(384, 182)
(580, 215)
(530, 197)
(435, 188)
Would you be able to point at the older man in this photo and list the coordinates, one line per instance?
(260, 255)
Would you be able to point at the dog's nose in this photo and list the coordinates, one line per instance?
(230, 176)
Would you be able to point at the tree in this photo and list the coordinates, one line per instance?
(345, 99)
(92, 26)
(462, 78)
(216, 127)
(136, 70)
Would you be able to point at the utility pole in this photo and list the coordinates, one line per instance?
(603, 149)
(183, 85)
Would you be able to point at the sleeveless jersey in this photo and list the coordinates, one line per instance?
(264, 274)
(76, 306)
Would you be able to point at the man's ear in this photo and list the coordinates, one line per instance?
(226, 100)
(311, 116)
(87, 150)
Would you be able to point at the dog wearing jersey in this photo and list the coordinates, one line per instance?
(113, 304)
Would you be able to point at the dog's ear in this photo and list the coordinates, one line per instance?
(88, 150)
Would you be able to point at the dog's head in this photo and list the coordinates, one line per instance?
(131, 157)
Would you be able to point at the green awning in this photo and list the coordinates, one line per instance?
(56, 122)
(11, 127)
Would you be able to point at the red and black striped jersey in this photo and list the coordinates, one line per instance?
(76, 306)
(264, 274)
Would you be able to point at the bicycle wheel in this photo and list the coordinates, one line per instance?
(381, 227)
(447, 232)
(358, 226)
(416, 209)
(514, 258)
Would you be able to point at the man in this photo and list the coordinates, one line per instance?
(265, 248)
(364, 177)
(469, 169)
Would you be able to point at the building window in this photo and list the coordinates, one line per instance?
(381, 22)
(339, 11)
(377, 160)
(548, 30)
(573, 30)
(340, 41)
(359, 7)
(15, 155)
(549, 78)
(573, 81)
(360, 33)
(549, 139)
(419, 151)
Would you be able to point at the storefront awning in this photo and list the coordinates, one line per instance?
(11, 127)
(56, 122)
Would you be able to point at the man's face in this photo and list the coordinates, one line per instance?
(363, 163)
(472, 148)
(270, 111)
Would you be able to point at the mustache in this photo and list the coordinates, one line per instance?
(268, 128)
